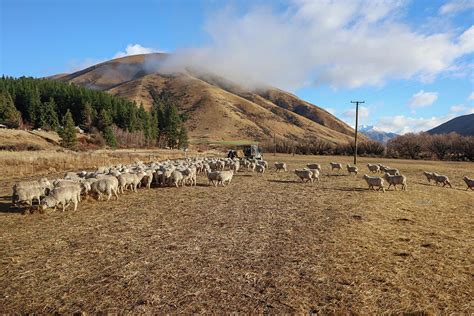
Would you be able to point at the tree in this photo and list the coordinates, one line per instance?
(87, 116)
(47, 117)
(68, 134)
(183, 137)
(104, 120)
(172, 124)
(109, 137)
(9, 115)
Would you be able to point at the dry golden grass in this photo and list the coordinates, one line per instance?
(261, 245)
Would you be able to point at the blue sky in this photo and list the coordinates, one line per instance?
(411, 61)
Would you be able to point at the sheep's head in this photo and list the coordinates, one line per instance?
(365, 177)
(48, 202)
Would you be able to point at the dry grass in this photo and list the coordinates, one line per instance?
(262, 244)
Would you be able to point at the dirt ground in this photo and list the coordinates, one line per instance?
(264, 244)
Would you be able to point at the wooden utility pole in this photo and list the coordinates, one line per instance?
(274, 144)
(357, 122)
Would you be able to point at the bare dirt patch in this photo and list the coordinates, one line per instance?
(262, 244)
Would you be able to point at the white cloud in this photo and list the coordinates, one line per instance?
(456, 6)
(457, 108)
(331, 110)
(135, 49)
(363, 112)
(401, 124)
(471, 96)
(422, 99)
(338, 43)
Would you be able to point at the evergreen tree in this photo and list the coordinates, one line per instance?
(9, 115)
(172, 124)
(47, 117)
(104, 120)
(109, 137)
(183, 137)
(87, 116)
(68, 133)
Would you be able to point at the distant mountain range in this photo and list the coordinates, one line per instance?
(374, 133)
(463, 125)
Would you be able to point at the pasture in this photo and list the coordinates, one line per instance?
(263, 244)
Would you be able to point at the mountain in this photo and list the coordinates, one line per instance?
(463, 125)
(218, 109)
(376, 134)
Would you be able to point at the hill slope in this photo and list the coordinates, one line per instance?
(376, 134)
(217, 109)
(463, 125)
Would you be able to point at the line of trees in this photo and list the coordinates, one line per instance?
(41, 103)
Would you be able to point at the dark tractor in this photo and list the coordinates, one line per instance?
(252, 152)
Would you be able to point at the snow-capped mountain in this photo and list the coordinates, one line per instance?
(376, 134)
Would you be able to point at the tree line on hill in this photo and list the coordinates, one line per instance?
(410, 146)
(117, 122)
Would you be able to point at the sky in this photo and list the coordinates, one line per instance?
(412, 62)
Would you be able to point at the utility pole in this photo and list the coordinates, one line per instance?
(274, 144)
(357, 122)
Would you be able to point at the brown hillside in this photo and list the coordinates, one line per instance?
(218, 109)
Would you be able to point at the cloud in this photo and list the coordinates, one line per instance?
(456, 6)
(344, 44)
(471, 96)
(349, 115)
(401, 124)
(76, 65)
(136, 49)
(422, 99)
(457, 108)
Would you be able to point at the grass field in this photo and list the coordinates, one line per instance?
(260, 245)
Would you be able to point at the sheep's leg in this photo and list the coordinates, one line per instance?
(109, 194)
(75, 205)
(115, 193)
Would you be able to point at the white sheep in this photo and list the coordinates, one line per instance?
(62, 196)
(469, 183)
(374, 182)
(304, 174)
(212, 177)
(373, 168)
(260, 169)
(441, 179)
(396, 179)
(335, 165)
(429, 176)
(27, 195)
(43, 186)
(352, 169)
(315, 175)
(177, 178)
(106, 185)
(280, 166)
(316, 166)
(225, 177)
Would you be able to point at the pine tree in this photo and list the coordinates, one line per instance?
(104, 120)
(9, 115)
(68, 133)
(109, 137)
(87, 116)
(172, 123)
(47, 117)
(183, 138)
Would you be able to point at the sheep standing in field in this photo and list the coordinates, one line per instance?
(212, 177)
(260, 169)
(374, 182)
(392, 171)
(305, 175)
(441, 179)
(280, 166)
(335, 165)
(396, 179)
(177, 178)
(38, 188)
(429, 176)
(125, 181)
(469, 183)
(62, 196)
(225, 177)
(147, 178)
(316, 166)
(352, 169)
(315, 174)
(106, 185)
(235, 166)
(373, 168)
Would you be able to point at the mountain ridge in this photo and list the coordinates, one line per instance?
(463, 125)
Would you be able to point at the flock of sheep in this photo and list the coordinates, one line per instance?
(113, 180)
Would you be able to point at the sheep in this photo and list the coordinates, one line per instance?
(43, 186)
(335, 165)
(396, 179)
(177, 178)
(106, 185)
(263, 163)
(438, 178)
(125, 180)
(304, 174)
(235, 166)
(84, 185)
(260, 169)
(27, 195)
(189, 176)
(251, 166)
(279, 166)
(212, 177)
(352, 169)
(315, 176)
(374, 182)
(316, 166)
(469, 183)
(147, 178)
(392, 171)
(373, 168)
(225, 177)
(62, 195)
(429, 176)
